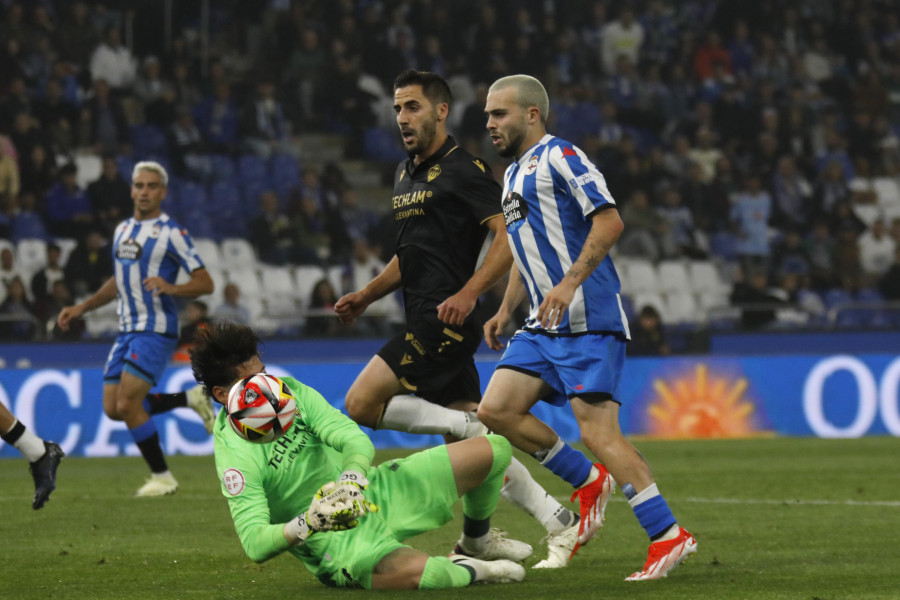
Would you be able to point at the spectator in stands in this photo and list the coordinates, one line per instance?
(362, 267)
(751, 293)
(265, 127)
(681, 238)
(9, 170)
(232, 309)
(218, 120)
(311, 224)
(321, 302)
(196, 317)
(792, 195)
(75, 38)
(16, 101)
(750, 212)
(789, 254)
(273, 236)
(58, 117)
(648, 338)
(26, 133)
(876, 251)
(705, 154)
(90, 264)
(188, 148)
(644, 227)
(890, 281)
(624, 36)
(25, 221)
(304, 74)
(68, 206)
(42, 281)
(155, 95)
(103, 123)
(113, 62)
(49, 307)
(37, 171)
(110, 197)
(17, 318)
(9, 270)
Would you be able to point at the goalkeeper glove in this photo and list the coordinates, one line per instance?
(354, 483)
(333, 508)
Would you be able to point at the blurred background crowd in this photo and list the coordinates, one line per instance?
(752, 147)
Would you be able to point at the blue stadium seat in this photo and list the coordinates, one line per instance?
(251, 166)
(148, 139)
(283, 170)
(223, 166)
(125, 164)
(836, 296)
(192, 196)
(382, 146)
(225, 196)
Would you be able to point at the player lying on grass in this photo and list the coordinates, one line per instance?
(299, 492)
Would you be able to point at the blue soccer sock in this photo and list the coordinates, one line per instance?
(651, 510)
(566, 462)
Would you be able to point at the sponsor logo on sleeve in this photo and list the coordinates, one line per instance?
(577, 182)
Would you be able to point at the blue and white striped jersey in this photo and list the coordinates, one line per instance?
(151, 248)
(548, 195)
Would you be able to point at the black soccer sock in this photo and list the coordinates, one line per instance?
(153, 454)
(475, 528)
(12, 436)
(155, 404)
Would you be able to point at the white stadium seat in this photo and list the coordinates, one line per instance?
(247, 279)
(209, 252)
(66, 245)
(673, 276)
(31, 256)
(278, 281)
(681, 307)
(237, 252)
(306, 277)
(642, 277)
(704, 277)
(655, 300)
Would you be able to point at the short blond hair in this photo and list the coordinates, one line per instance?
(153, 167)
(529, 92)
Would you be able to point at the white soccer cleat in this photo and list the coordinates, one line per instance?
(665, 556)
(199, 402)
(560, 548)
(490, 571)
(498, 547)
(158, 485)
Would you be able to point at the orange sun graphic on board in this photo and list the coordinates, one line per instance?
(700, 405)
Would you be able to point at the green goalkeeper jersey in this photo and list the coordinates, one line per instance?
(267, 485)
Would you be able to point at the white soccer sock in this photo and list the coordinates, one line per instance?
(645, 494)
(30, 445)
(523, 491)
(416, 415)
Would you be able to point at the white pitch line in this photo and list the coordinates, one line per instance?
(882, 503)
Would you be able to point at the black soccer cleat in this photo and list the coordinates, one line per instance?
(43, 471)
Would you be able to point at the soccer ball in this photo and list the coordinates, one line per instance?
(260, 408)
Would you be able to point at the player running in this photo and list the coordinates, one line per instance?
(445, 201)
(272, 488)
(561, 222)
(148, 251)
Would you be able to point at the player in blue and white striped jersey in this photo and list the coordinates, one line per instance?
(561, 221)
(148, 251)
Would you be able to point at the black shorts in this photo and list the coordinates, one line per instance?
(435, 361)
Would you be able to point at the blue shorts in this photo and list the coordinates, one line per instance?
(587, 366)
(142, 354)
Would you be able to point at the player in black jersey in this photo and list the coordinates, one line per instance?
(445, 202)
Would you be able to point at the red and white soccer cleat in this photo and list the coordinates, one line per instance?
(592, 500)
(665, 556)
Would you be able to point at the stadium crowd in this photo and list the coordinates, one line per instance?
(762, 136)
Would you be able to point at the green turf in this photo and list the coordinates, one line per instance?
(775, 518)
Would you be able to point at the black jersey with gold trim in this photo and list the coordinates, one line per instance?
(440, 207)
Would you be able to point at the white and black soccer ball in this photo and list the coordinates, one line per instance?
(261, 408)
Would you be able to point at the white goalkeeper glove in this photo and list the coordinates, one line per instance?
(353, 483)
(333, 508)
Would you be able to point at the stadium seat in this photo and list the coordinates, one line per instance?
(148, 139)
(283, 171)
(125, 164)
(192, 195)
(673, 276)
(252, 167)
(836, 296)
(102, 323)
(237, 253)
(223, 166)
(381, 145)
(226, 196)
(209, 252)
(246, 278)
(89, 168)
(681, 307)
(279, 281)
(31, 256)
(642, 278)
(66, 245)
(28, 225)
(306, 277)
(703, 276)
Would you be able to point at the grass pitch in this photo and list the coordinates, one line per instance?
(775, 518)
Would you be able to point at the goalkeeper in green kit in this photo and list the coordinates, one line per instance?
(313, 492)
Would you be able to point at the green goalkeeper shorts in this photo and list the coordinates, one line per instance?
(414, 494)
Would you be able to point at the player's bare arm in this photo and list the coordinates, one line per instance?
(199, 284)
(106, 294)
(497, 261)
(606, 227)
(351, 305)
(513, 297)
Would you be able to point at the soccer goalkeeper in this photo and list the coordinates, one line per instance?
(295, 493)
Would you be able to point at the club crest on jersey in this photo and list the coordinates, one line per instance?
(514, 211)
(434, 172)
(154, 233)
(234, 481)
(129, 251)
(532, 165)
